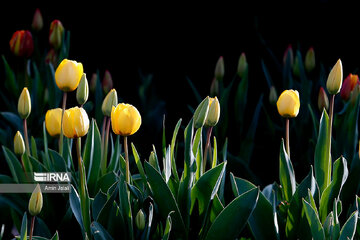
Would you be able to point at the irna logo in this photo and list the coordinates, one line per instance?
(52, 177)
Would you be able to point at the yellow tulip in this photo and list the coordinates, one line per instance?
(36, 201)
(75, 122)
(68, 75)
(19, 145)
(125, 119)
(288, 104)
(213, 113)
(53, 121)
(335, 78)
(24, 104)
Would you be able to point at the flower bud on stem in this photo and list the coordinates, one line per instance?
(32, 227)
(61, 140)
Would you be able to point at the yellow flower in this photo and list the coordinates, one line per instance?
(53, 121)
(68, 75)
(125, 119)
(19, 146)
(24, 104)
(213, 113)
(75, 122)
(335, 78)
(36, 201)
(288, 104)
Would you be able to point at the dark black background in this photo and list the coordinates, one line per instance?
(175, 41)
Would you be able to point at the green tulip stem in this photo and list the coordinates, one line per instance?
(26, 137)
(61, 140)
(32, 227)
(331, 113)
(288, 136)
(208, 136)
(104, 162)
(127, 160)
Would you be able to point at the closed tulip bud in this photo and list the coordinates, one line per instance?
(53, 121)
(107, 82)
(296, 66)
(289, 55)
(288, 104)
(68, 75)
(213, 113)
(349, 84)
(242, 65)
(273, 95)
(51, 57)
(82, 92)
(56, 34)
(24, 104)
(323, 100)
(125, 119)
(355, 94)
(220, 69)
(19, 145)
(140, 220)
(201, 113)
(22, 44)
(93, 80)
(36, 201)
(75, 122)
(214, 88)
(37, 23)
(310, 60)
(335, 78)
(110, 100)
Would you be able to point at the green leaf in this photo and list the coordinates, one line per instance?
(286, 174)
(167, 165)
(195, 91)
(138, 163)
(106, 181)
(14, 165)
(92, 157)
(241, 100)
(26, 163)
(10, 81)
(340, 175)
(261, 221)
(33, 148)
(164, 198)
(322, 161)
(46, 148)
(56, 236)
(115, 156)
(98, 204)
(214, 163)
(230, 222)
(74, 200)
(125, 206)
(317, 230)
(206, 187)
(99, 232)
(23, 232)
(167, 229)
(58, 162)
(349, 228)
(172, 148)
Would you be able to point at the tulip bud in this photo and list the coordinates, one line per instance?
(273, 95)
(56, 34)
(323, 100)
(68, 75)
(36, 201)
(349, 84)
(37, 23)
(335, 78)
(107, 82)
(288, 55)
(220, 69)
(22, 44)
(51, 57)
(110, 100)
(242, 65)
(93, 82)
(19, 145)
(213, 113)
(214, 88)
(296, 67)
(140, 220)
(125, 119)
(288, 104)
(355, 94)
(75, 122)
(24, 104)
(201, 113)
(310, 60)
(53, 121)
(82, 92)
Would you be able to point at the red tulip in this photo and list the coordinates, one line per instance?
(348, 85)
(21, 43)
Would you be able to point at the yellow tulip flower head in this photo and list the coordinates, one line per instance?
(288, 104)
(36, 201)
(335, 78)
(24, 104)
(213, 113)
(68, 75)
(75, 122)
(53, 121)
(125, 119)
(19, 145)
